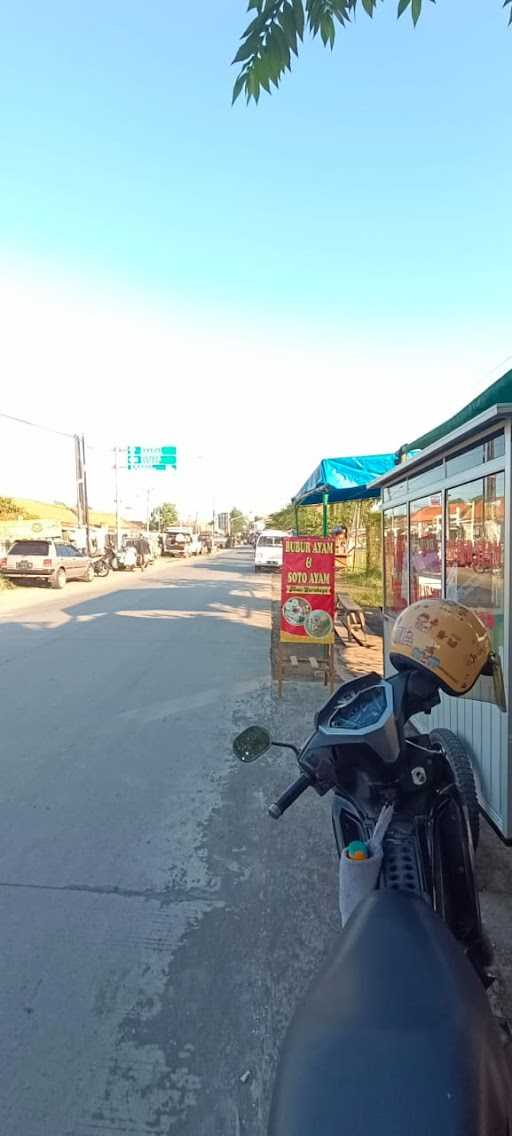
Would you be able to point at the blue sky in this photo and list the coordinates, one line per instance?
(366, 203)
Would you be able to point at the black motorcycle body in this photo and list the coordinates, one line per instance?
(369, 761)
(396, 1036)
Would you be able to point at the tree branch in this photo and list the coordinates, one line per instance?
(276, 31)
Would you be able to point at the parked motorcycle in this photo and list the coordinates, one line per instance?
(396, 1035)
(102, 565)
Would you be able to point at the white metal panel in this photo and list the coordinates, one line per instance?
(484, 728)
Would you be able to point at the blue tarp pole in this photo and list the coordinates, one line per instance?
(325, 514)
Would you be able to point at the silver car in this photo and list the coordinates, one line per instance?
(52, 561)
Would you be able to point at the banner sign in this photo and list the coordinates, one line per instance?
(307, 590)
(151, 457)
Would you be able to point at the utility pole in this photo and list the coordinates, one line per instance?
(148, 498)
(81, 488)
(85, 497)
(79, 482)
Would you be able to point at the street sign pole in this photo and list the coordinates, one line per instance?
(116, 477)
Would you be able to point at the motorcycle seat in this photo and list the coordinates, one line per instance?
(395, 1037)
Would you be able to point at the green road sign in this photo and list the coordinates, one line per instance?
(151, 457)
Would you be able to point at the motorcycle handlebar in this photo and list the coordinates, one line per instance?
(290, 795)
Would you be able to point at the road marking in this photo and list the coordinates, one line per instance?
(91, 615)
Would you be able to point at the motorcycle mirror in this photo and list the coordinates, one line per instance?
(251, 743)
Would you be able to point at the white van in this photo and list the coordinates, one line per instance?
(268, 552)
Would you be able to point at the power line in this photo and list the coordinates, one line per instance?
(52, 430)
(36, 425)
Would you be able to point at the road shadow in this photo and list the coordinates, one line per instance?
(158, 596)
(231, 561)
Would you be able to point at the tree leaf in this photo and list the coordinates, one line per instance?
(269, 64)
(253, 86)
(403, 4)
(343, 8)
(287, 22)
(298, 11)
(326, 28)
(281, 44)
(274, 60)
(247, 49)
(256, 25)
(313, 9)
(368, 6)
(416, 11)
(238, 87)
(261, 70)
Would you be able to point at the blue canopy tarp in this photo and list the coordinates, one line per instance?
(345, 479)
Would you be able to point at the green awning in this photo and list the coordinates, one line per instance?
(500, 391)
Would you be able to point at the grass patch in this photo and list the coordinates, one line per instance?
(365, 589)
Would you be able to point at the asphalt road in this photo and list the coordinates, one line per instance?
(157, 928)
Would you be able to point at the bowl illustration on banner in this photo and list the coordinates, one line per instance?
(295, 610)
(318, 624)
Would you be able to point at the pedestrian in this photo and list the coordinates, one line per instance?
(143, 550)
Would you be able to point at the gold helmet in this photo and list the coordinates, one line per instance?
(444, 638)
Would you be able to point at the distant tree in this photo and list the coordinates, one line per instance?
(164, 516)
(8, 508)
(310, 517)
(277, 31)
(283, 518)
(238, 522)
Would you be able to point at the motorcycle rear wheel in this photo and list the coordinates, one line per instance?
(459, 761)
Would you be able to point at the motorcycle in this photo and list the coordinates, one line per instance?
(396, 1035)
(102, 565)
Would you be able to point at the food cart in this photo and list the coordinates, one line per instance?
(447, 532)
